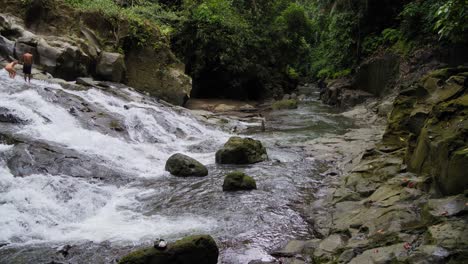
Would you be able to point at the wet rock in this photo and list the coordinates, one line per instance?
(184, 166)
(224, 108)
(381, 255)
(451, 234)
(346, 256)
(429, 254)
(385, 108)
(448, 206)
(294, 247)
(6, 116)
(284, 104)
(241, 151)
(238, 181)
(189, 250)
(263, 262)
(35, 157)
(64, 250)
(86, 81)
(111, 67)
(329, 246)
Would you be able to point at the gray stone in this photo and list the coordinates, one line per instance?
(86, 81)
(294, 247)
(381, 255)
(452, 234)
(63, 58)
(184, 166)
(346, 256)
(6, 116)
(111, 67)
(7, 47)
(448, 206)
(159, 73)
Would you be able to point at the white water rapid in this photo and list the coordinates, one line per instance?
(53, 208)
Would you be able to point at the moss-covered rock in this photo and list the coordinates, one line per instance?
(189, 250)
(237, 181)
(429, 119)
(284, 104)
(184, 166)
(241, 151)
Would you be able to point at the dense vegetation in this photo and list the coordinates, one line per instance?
(259, 48)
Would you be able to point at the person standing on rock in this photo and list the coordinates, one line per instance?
(10, 68)
(27, 66)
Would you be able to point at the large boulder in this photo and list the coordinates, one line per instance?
(111, 67)
(241, 151)
(184, 166)
(238, 181)
(159, 73)
(189, 250)
(62, 58)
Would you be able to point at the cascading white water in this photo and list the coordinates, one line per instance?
(44, 208)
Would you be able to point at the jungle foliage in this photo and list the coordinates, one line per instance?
(248, 49)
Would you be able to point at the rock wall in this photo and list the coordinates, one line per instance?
(68, 44)
(382, 74)
(430, 119)
(406, 200)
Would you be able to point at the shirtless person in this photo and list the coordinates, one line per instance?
(27, 66)
(10, 68)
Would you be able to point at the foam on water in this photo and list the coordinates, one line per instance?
(42, 208)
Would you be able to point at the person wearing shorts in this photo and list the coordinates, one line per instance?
(27, 66)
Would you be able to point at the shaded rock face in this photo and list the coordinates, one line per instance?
(372, 79)
(342, 94)
(376, 76)
(158, 73)
(241, 151)
(63, 58)
(184, 166)
(430, 118)
(238, 181)
(7, 47)
(189, 250)
(111, 67)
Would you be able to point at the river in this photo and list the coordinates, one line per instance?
(85, 168)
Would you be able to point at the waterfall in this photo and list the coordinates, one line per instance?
(41, 207)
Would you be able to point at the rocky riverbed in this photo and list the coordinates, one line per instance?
(405, 201)
(84, 182)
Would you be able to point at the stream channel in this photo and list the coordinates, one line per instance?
(85, 168)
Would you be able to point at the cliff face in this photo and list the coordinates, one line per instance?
(69, 43)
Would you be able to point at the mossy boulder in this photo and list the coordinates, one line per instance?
(284, 104)
(189, 250)
(184, 166)
(238, 181)
(241, 151)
